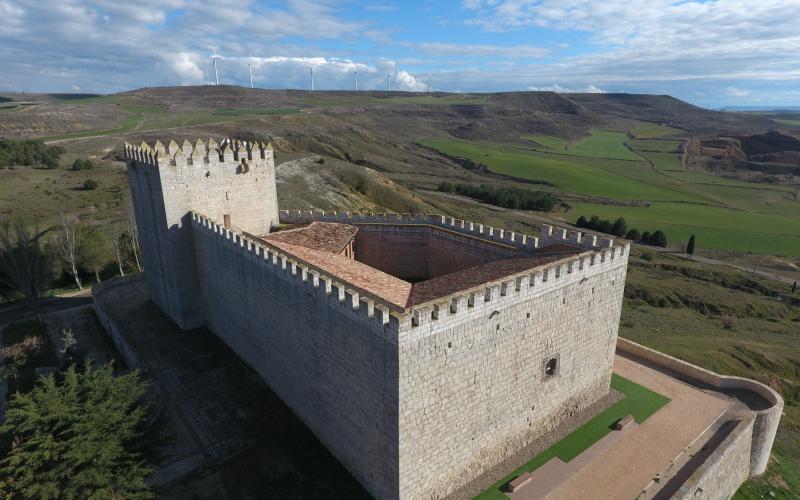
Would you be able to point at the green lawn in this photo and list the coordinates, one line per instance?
(638, 401)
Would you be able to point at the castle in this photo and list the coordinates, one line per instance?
(421, 350)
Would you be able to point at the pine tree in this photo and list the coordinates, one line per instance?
(80, 438)
(690, 245)
(633, 235)
(620, 227)
(581, 222)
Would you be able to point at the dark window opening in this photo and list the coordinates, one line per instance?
(551, 367)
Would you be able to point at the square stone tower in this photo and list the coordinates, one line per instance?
(233, 182)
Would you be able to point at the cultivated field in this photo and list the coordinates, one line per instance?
(652, 193)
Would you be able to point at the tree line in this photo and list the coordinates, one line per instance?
(31, 260)
(507, 197)
(29, 153)
(620, 228)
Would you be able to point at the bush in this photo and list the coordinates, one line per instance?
(648, 256)
(581, 222)
(29, 153)
(79, 164)
(90, 184)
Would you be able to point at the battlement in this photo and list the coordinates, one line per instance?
(550, 234)
(210, 153)
(368, 306)
(423, 307)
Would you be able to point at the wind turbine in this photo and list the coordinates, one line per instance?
(311, 74)
(356, 73)
(250, 69)
(429, 83)
(214, 58)
(388, 82)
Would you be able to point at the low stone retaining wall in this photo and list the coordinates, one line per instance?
(721, 474)
(766, 420)
(112, 328)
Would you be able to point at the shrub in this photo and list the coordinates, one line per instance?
(79, 164)
(648, 256)
(727, 322)
(90, 184)
(581, 222)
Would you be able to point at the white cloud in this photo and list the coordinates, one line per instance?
(591, 89)
(733, 91)
(457, 49)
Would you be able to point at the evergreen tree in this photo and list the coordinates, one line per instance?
(658, 239)
(690, 245)
(645, 238)
(605, 227)
(594, 223)
(581, 222)
(620, 227)
(633, 235)
(81, 438)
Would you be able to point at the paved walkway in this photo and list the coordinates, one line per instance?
(627, 466)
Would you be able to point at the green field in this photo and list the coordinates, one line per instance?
(653, 130)
(599, 144)
(724, 214)
(658, 145)
(638, 401)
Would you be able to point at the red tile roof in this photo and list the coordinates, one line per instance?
(320, 244)
(323, 236)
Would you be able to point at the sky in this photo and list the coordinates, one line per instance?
(712, 53)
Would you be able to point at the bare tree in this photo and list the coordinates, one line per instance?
(68, 246)
(117, 240)
(133, 231)
(26, 266)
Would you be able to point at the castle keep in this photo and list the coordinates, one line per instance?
(421, 350)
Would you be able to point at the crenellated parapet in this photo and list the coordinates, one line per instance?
(550, 234)
(236, 154)
(382, 314)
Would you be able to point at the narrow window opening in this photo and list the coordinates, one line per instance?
(227, 220)
(551, 368)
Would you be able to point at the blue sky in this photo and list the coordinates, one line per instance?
(711, 53)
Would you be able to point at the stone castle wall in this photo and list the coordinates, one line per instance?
(724, 470)
(334, 365)
(419, 252)
(232, 184)
(473, 388)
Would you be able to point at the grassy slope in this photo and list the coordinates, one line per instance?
(723, 214)
(638, 401)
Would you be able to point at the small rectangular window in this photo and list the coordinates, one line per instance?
(227, 220)
(551, 367)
